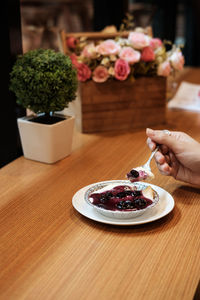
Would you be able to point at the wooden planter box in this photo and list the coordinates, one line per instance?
(116, 105)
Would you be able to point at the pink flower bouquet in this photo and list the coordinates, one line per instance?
(121, 58)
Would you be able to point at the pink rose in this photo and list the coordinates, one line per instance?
(74, 60)
(147, 54)
(177, 60)
(100, 74)
(71, 42)
(83, 72)
(130, 55)
(108, 47)
(138, 40)
(89, 50)
(122, 69)
(164, 69)
(155, 43)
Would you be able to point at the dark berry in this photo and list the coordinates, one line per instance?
(140, 203)
(108, 195)
(129, 193)
(103, 199)
(128, 204)
(134, 173)
(136, 193)
(121, 203)
(121, 194)
(125, 204)
(119, 206)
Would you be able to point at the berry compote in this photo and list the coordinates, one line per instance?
(139, 174)
(121, 198)
(136, 175)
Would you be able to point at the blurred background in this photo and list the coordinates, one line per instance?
(176, 21)
(32, 24)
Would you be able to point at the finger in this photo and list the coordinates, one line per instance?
(159, 157)
(172, 157)
(163, 137)
(151, 144)
(164, 169)
(164, 149)
(174, 164)
(168, 160)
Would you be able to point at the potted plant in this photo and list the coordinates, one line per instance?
(44, 81)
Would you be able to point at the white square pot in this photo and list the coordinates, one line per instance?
(46, 143)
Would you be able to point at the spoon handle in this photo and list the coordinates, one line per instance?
(147, 164)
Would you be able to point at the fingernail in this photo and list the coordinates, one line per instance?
(150, 131)
(151, 146)
(166, 170)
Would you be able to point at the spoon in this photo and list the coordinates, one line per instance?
(143, 172)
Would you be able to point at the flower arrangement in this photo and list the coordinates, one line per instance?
(122, 58)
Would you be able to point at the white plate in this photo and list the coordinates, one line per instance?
(164, 207)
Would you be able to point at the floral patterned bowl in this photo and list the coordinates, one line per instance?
(119, 214)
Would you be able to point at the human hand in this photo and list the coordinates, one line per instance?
(178, 155)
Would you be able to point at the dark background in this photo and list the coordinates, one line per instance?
(11, 45)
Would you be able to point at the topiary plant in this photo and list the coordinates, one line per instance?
(43, 81)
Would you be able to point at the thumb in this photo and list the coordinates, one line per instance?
(165, 137)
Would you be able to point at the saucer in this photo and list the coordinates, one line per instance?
(164, 207)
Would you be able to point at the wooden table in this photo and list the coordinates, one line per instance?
(50, 251)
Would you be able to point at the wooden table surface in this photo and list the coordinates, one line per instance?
(50, 251)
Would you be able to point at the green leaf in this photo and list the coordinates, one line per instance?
(43, 80)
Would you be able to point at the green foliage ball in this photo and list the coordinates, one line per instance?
(43, 80)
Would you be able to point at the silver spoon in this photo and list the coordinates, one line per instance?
(143, 172)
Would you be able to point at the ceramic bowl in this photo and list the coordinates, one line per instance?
(117, 214)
